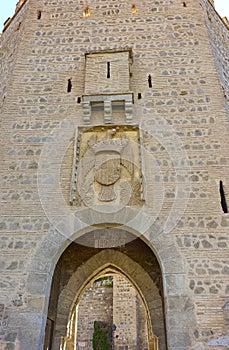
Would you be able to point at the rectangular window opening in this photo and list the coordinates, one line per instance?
(223, 197)
(108, 70)
(150, 81)
(97, 106)
(134, 9)
(38, 14)
(69, 88)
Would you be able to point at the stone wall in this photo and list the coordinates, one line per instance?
(96, 304)
(218, 35)
(117, 303)
(184, 136)
(8, 55)
(129, 317)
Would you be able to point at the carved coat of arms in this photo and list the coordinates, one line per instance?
(108, 170)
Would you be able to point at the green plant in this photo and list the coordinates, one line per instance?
(106, 281)
(100, 339)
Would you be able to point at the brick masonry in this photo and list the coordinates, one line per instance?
(184, 123)
(112, 304)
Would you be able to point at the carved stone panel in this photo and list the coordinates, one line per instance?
(107, 166)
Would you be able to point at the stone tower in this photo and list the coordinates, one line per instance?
(114, 160)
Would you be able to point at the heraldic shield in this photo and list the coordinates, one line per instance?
(107, 166)
(107, 173)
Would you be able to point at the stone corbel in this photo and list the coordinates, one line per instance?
(128, 111)
(87, 112)
(107, 112)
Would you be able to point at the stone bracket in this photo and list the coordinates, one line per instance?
(126, 98)
(87, 112)
(107, 112)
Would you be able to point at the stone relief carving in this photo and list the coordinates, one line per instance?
(107, 166)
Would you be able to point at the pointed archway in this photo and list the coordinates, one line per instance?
(113, 303)
(147, 283)
(80, 264)
(178, 306)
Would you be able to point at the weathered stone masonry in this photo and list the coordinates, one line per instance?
(118, 304)
(178, 81)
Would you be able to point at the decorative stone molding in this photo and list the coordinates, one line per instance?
(107, 100)
(107, 112)
(87, 112)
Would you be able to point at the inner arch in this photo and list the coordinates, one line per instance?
(113, 302)
(81, 264)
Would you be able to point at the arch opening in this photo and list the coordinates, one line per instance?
(112, 302)
(81, 266)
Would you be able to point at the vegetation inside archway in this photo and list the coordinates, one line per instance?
(83, 267)
(110, 315)
(100, 337)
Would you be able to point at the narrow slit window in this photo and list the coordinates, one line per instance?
(134, 9)
(150, 81)
(209, 16)
(223, 198)
(139, 96)
(79, 100)
(38, 14)
(184, 4)
(69, 87)
(108, 70)
(87, 12)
